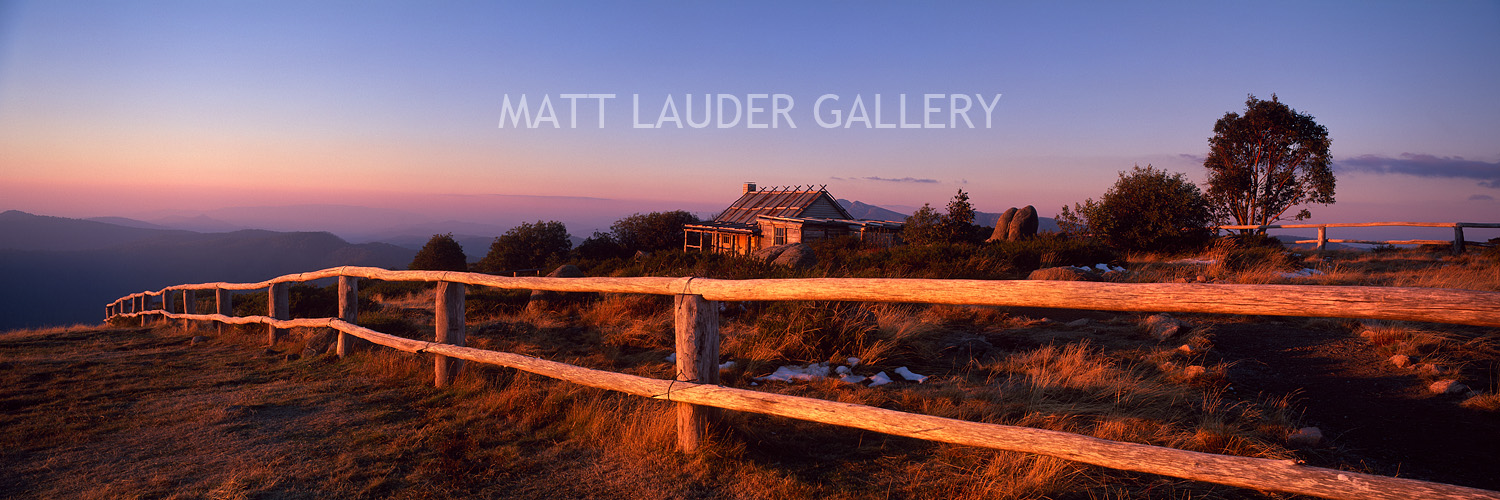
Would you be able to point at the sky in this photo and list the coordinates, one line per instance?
(145, 109)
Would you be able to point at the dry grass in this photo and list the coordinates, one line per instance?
(130, 412)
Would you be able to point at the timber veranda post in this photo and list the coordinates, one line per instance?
(278, 306)
(697, 324)
(449, 323)
(348, 309)
(223, 304)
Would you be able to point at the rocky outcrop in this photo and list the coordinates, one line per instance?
(793, 255)
(1016, 224)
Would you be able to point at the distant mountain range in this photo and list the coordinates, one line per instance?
(57, 270)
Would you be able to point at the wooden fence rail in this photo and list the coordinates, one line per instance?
(696, 392)
(1323, 241)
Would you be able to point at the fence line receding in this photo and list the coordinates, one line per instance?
(696, 393)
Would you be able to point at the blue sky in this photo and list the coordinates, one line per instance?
(118, 108)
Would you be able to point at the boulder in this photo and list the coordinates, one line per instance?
(199, 340)
(1064, 273)
(1305, 437)
(1193, 371)
(1163, 326)
(546, 299)
(1024, 225)
(1447, 386)
(1400, 361)
(1002, 226)
(769, 254)
(800, 255)
(793, 255)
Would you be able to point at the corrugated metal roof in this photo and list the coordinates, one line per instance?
(777, 203)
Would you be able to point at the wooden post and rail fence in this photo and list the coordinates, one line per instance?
(1323, 241)
(697, 394)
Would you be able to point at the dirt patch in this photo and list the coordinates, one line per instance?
(1373, 411)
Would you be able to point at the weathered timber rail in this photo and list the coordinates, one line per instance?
(695, 389)
(1323, 241)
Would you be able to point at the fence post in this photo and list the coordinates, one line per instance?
(166, 304)
(1322, 238)
(278, 306)
(697, 324)
(1458, 239)
(449, 308)
(223, 304)
(348, 308)
(189, 306)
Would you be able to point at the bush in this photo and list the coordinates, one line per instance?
(1146, 210)
(601, 246)
(927, 226)
(527, 246)
(441, 253)
(652, 232)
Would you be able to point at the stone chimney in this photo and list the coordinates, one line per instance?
(749, 187)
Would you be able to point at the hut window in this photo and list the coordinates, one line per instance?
(780, 237)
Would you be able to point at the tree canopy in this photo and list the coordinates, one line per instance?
(1267, 161)
(652, 232)
(441, 253)
(527, 246)
(957, 226)
(1146, 210)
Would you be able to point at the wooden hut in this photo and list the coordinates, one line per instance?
(762, 218)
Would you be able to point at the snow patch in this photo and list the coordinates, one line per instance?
(907, 374)
(818, 371)
(1303, 273)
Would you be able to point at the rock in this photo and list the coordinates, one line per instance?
(1185, 349)
(1063, 273)
(770, 253)
(291, 357)
(1431, 370)
(1400, 361)
(1193, 372)
(1305, 437)
(198, 340)
(547, 299)
(1024, 225)
(1163, 326)
(793, 255)
(1002, 226)
(1078, 323)
(1447, 386)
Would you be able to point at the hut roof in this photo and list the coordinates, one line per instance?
(783, 202)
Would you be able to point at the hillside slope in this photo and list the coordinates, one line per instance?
(69, 268)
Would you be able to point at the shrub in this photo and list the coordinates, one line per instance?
(601, 246)
(441, 253)
(1146, 210)
(527, 246)
(652, 232)
(927, 226)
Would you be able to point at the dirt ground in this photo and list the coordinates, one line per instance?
(1364, 405)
